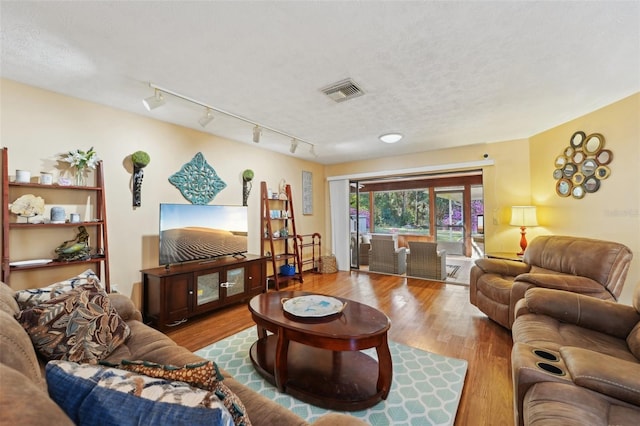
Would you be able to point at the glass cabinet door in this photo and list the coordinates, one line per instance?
(235, 281)
(208, 288)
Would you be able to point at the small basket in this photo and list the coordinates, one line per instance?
(287, 270)
(328, 264)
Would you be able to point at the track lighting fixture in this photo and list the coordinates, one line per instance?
(206, 118)
(153, 102)
(294, 145)
(257, 131)
(157, 100)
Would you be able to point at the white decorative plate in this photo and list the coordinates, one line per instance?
(30, 262)
(313, 305)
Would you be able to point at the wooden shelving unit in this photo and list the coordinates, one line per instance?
(279, 241)
(37, 235)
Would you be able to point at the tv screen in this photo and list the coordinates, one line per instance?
(190, 232)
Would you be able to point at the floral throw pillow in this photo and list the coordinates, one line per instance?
(204, 375)
(33, 297)
(79, 325)
(97, 395)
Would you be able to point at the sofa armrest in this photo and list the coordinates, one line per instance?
(503, 266)
(574, 283)
(604, 316)
(604, 374)
(23, 402)
(125, 307)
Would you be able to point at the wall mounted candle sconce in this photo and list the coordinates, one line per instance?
(247, 177)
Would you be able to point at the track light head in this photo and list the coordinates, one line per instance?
(294, 145)
(153, 102)
(312, 151)
(257, 131)
(206, 118)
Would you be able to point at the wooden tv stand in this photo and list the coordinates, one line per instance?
(171, 295)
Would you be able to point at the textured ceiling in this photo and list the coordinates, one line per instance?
(442, 73)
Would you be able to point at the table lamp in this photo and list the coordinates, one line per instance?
(523, 216)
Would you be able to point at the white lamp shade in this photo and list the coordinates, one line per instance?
(523, 216)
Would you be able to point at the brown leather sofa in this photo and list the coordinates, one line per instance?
(24, 399)
(582, 265)
(576, 360)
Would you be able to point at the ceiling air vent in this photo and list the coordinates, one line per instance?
(343, 90)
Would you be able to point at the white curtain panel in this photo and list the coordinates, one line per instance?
(340, 237)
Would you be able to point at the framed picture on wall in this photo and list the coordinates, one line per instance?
(307, 192)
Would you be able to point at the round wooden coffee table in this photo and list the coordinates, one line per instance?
(318, 360)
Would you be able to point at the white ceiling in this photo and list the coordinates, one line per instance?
(445, 73)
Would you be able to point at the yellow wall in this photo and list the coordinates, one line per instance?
(612, 213)
(38, 126)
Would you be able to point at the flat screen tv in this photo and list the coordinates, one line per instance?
(192, 232)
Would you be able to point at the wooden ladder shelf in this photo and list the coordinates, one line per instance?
(279, 240)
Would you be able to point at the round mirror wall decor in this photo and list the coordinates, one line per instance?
(564, 187)
(582, 165)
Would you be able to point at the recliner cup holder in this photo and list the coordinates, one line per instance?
(549, 368)
(546, 355)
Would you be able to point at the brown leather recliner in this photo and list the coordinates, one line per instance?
(593, 267)
(576, 359)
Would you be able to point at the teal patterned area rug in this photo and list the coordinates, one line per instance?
(426, 387)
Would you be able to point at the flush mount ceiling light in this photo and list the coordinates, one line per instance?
(206, 118)
(257, 131)
(153, 102)
(390, 137)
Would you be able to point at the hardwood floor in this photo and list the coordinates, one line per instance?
(432, 316)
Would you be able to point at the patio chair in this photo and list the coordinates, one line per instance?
(425, 261)
(385, 256)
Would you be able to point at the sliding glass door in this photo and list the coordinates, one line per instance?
(450, 220)
(445, 208)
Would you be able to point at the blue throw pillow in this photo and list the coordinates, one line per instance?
(97, 395)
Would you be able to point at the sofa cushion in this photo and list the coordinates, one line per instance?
(562, 404)
(92, 394)
(617, 378)
(542, 331)
(80, 325)
(204, 375)
(33, 297)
